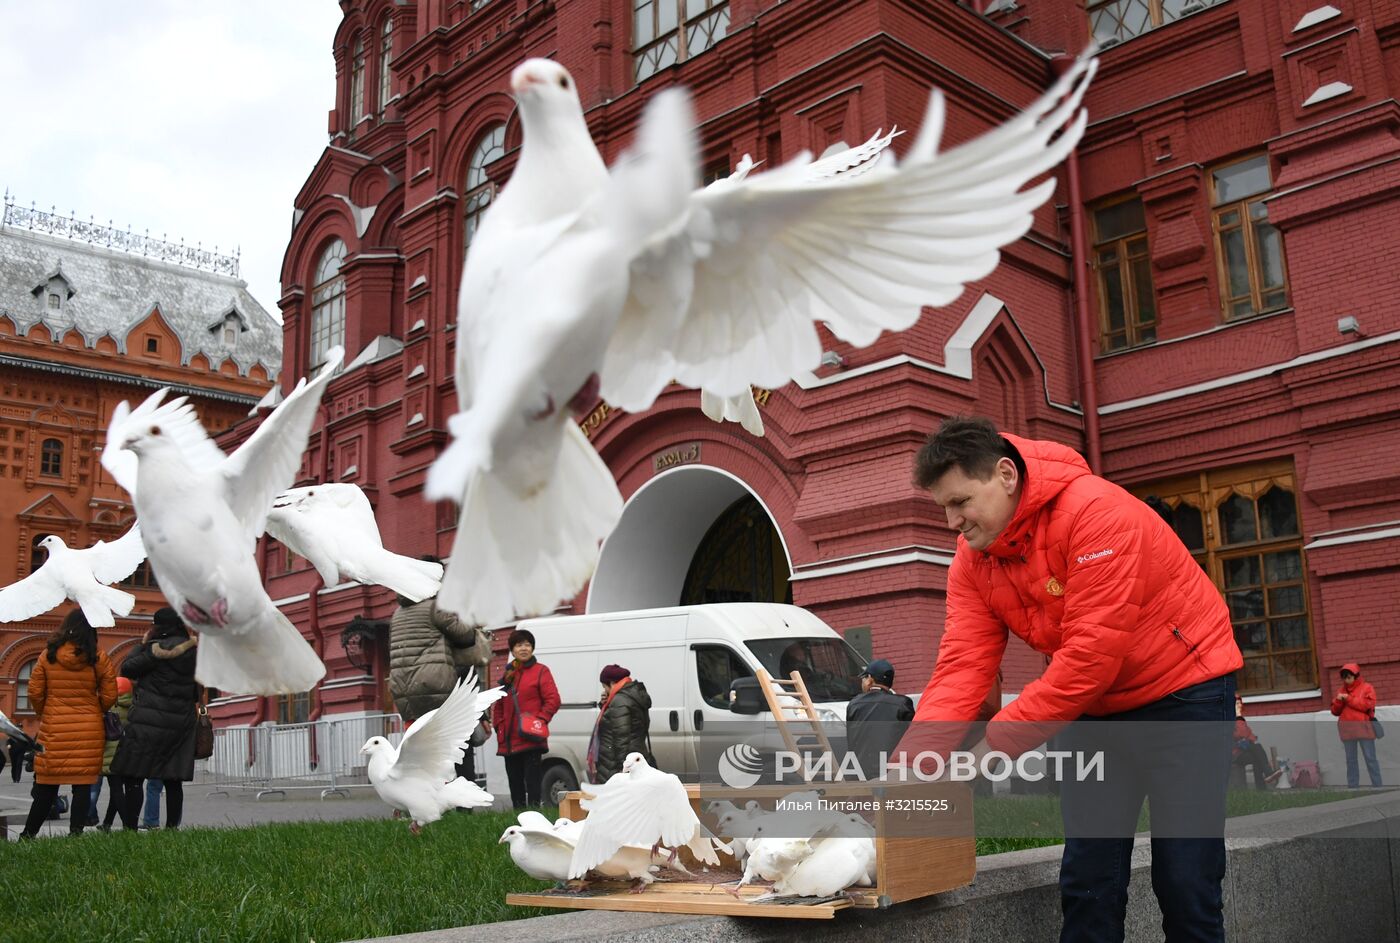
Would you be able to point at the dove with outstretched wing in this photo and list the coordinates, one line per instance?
(201, 513)
(583, 282)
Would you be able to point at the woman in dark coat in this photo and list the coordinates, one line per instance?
(159, 738)
(623, 724)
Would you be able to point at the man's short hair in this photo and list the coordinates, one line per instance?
(971, 443)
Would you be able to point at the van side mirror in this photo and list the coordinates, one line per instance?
(746, 696)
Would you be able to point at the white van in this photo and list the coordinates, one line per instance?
(687, 656)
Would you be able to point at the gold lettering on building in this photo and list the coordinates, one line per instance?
(686, 454)
(590, 423)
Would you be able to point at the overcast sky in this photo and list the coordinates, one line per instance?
(199, 120)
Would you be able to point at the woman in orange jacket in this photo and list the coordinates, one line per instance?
(1355, 707)
(71, 687)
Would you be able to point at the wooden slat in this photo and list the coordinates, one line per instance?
(714, 903)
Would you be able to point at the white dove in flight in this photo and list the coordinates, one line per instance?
(640, 806)
(582, 282)
(333, 526)
(418, 776)
(79, 575)
(201, 513)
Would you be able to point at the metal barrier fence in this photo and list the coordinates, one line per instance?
(273, 758)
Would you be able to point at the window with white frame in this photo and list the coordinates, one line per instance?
(22, 685)
(1113, 21)
(386, 46)
(665, 32)
(479, 190)
(357, 82)
(328, 304)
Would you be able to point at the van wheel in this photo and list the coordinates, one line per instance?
(557, 780)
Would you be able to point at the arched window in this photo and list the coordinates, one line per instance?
(357, 83)
(479, 189)
(22, 686)
(327, 304)
(37, 554)
(386, 43)
(51, 458)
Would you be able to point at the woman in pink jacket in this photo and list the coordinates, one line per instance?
(1355, 707)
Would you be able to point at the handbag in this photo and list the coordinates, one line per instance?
(1377, 728)
(480, 734)
(203, 734)
(531, 727)
(111, 723)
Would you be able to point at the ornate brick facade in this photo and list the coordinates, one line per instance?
(1250, 407)
(83, 327)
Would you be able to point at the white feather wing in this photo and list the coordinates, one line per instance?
(735, 296)
(115, 561)
(633, 810)
(37, 593)
(434, 743)
(267, 463)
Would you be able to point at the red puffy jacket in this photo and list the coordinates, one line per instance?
(1355, 713)
(1091, 576)
(533, 688)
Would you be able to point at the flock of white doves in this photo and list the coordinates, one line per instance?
(582, 281)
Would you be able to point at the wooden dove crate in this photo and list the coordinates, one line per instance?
(924, 845)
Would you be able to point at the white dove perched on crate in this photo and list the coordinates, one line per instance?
(544, 851)
(79, 575)
(582, 282)
(640, 806)
(201, 513)
(419, 775)
(333, 527)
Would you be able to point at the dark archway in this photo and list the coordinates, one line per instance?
(740, 559)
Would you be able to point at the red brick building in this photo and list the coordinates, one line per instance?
(1203, 309)
(91, 316)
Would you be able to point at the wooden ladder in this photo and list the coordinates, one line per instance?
(811, 720)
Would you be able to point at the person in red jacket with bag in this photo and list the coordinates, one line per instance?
(521, 719)
(1092, 577)
(1355, 707)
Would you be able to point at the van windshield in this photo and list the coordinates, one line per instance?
(828, 666)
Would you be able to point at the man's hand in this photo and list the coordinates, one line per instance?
(1343, 696)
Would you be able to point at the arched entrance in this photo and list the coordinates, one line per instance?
(690, 535)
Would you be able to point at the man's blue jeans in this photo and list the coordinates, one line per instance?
(150, 811)
(1181, 765)
(1373, 766)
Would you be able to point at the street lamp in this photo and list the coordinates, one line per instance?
(360, 640)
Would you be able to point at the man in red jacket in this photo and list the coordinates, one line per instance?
(1092, 577)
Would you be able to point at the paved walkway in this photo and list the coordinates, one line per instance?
(238, 808)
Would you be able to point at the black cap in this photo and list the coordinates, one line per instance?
(880, 671)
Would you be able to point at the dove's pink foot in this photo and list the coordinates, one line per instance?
(219, 612)
(671, 859)
(415, 828)
(586, 396)
(193, 613)
(638, 886)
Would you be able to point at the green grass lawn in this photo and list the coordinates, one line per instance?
(322, 881)
(333, 881)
